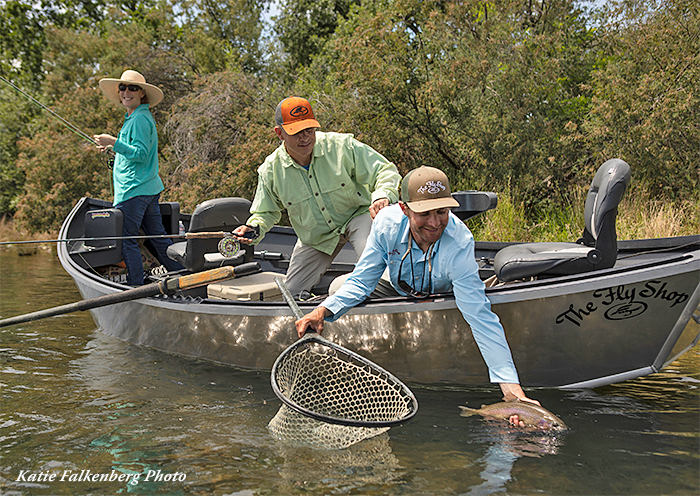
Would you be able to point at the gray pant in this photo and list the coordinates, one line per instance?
(308, 265)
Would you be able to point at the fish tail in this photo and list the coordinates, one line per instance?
(466, 411)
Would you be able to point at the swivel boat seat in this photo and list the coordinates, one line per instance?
(597, 249)
(218, 214)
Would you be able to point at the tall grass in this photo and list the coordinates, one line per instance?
(639, 216)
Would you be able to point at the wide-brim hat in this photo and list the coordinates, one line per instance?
(110, 87)
(427, 188)
(294, 114)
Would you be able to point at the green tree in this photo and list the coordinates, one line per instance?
(217, 137)
(304, 27)
(148, 36)
(217, 35)
(484, 91)
(646, 100)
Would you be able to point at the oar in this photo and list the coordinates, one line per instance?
(167, 287)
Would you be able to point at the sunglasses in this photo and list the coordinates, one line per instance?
(407, 288)
(132, 87)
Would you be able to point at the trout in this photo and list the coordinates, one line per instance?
(529, 413)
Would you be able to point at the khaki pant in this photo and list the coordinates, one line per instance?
(308, 265)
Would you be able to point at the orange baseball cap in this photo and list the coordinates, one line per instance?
(294, 114)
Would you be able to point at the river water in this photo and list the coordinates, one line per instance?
(78, 406)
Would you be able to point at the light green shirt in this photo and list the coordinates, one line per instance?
(345, 176)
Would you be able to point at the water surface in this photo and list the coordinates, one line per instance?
(74, 400)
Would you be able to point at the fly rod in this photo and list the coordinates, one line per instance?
(228, 246)
(69, 125)
(190, 235)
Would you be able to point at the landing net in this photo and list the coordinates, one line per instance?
(333, 397)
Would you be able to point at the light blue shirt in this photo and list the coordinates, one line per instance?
(136, 161)
(454, 269)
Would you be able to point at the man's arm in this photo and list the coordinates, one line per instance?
(373, 169)
(265, 213)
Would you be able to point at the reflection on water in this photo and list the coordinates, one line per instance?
(76, 403)
(505, 446)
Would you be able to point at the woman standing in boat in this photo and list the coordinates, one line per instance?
(137, 185)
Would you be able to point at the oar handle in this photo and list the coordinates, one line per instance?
(168, 286)
(207, 277)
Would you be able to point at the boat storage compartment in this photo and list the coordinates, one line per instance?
(255, 287)
(105, 223)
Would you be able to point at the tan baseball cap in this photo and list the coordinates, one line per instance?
(427, 188)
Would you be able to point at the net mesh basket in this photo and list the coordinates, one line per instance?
(333, 397)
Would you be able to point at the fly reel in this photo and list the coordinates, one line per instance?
(229, 247)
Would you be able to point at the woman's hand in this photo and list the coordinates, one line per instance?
(104, 142)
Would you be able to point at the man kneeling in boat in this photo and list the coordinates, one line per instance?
(330, 184)
(427, 250)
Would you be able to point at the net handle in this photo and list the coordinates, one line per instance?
(287, 295)
(313, 336)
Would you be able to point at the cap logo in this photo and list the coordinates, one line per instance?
(432, 187)
(299, 111)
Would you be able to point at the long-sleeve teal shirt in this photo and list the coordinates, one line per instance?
(136, 162)
(343, 179)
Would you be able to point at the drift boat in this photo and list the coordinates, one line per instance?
(576, 315)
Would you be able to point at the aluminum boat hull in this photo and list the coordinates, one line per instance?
(579, 331)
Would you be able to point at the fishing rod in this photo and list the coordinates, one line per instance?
(106, 238)
(69, 125)
(228, 246)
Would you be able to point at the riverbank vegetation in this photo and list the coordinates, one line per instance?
(526, 99)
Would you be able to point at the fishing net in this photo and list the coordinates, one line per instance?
(334, 398)
(295, 428)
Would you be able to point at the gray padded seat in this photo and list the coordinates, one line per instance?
(218, 214)
(597, 249)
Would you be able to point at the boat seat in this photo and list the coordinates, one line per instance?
(596, 249)
(218, 214)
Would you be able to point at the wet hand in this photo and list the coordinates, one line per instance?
(515, 421)
(379, 204)
(513, 392)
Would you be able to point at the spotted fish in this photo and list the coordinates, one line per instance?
(529, 413)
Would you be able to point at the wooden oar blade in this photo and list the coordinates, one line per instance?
(168, 286)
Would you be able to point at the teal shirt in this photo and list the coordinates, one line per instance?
(343, 179)
(136, 163)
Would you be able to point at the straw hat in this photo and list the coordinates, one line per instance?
(110, 87)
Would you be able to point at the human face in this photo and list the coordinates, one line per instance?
(300, 146)
(426, 227)
(130, 99)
